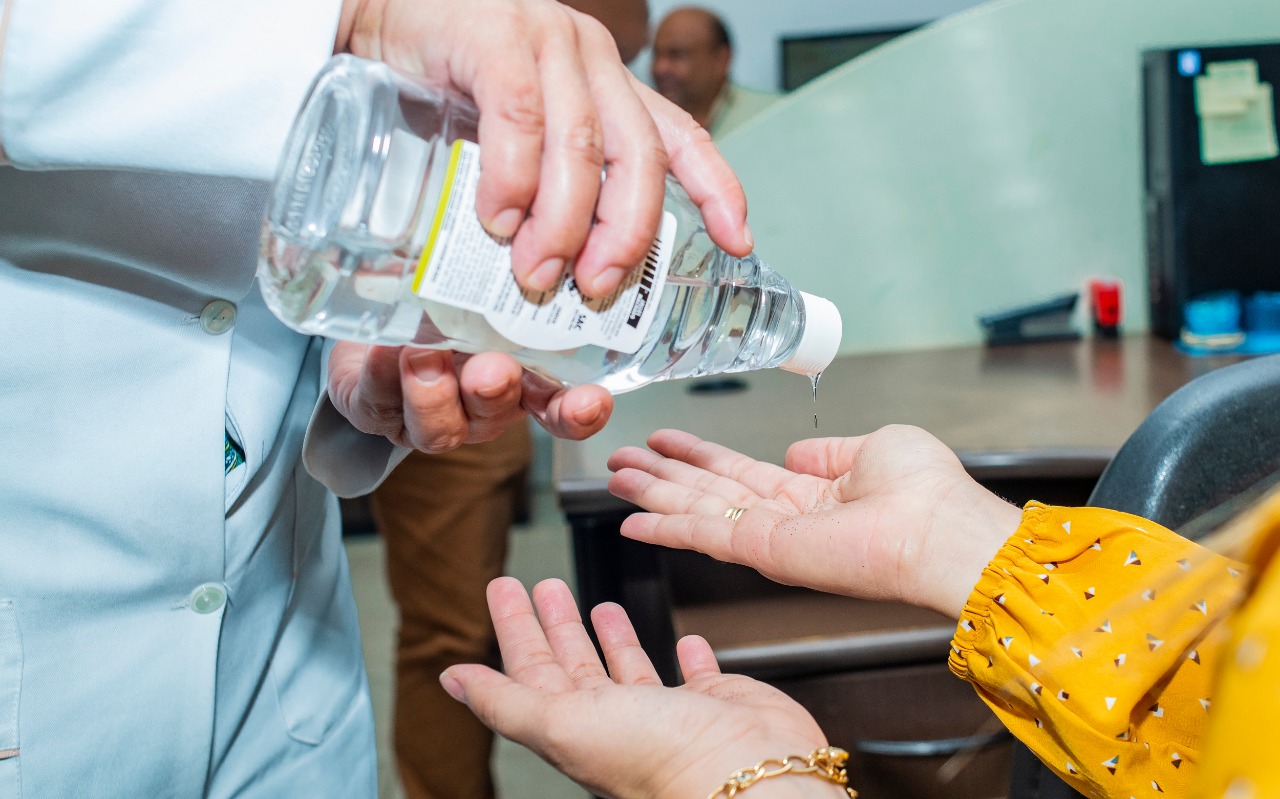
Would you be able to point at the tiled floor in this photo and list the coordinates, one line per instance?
(538, 550)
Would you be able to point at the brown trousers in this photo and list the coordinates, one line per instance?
(445, 520)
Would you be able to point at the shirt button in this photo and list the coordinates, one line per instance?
(208, 598)
(218, 317)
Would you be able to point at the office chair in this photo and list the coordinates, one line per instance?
(1214, 439)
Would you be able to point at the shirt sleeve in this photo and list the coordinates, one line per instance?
(346, 461)
(1093, 635)
(184, 86)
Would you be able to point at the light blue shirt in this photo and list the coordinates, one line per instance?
(735, 106)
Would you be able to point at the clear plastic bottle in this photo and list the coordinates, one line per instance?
(371, 235)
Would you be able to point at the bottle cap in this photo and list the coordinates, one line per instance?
(820, 338)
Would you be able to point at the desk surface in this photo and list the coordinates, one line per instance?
(1060, 408)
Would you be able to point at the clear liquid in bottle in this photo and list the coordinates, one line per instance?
(371, 236)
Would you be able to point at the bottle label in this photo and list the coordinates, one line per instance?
(464, 266)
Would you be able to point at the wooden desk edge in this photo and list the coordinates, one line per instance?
(584, 495)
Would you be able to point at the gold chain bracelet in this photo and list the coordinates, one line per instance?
(826, 763)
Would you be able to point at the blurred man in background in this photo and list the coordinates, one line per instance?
(692, 53)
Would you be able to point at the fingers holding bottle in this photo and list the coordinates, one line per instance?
(629, 210)
(705, 175)
(557, 106)
(567, 167)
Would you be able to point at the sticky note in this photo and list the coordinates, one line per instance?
(1237, 114)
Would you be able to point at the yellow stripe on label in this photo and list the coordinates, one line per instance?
(442, 205)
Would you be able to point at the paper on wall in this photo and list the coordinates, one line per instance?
(1237, 114)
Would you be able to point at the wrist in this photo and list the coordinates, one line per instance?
(769, 769)
(977, 525)
(794, 786)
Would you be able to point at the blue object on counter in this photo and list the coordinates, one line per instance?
(1262, 312)
(1216, 314)
(1213, 324)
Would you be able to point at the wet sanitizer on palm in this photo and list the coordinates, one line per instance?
(372, 236)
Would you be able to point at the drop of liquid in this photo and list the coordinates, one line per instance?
(814, 378)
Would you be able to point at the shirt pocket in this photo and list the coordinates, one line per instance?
(235, 461)
(318, 668)
(10, 687)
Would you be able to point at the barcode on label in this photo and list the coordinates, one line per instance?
(647, 277)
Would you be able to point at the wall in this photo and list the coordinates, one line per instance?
(758, 25)
(989, 160)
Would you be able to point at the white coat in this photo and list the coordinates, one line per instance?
(167, 629)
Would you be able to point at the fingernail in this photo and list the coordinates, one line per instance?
(746, 235)
(452, 687)
(545, 277)
(588, 415)
(608, 280)
(505, 223)
(426, 366)
(492, 390)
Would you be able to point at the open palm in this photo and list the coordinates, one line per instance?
(612, 726)
(889, 515)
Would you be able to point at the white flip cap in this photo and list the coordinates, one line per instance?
(820, 339)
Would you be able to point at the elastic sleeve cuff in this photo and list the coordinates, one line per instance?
(1063, 566)
(1075, 589)
(992, 589)
(1094, 636)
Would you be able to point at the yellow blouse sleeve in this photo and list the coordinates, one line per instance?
(1093, 636)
